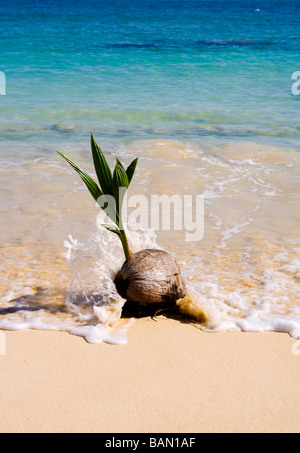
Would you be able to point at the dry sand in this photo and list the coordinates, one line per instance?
(169, 378)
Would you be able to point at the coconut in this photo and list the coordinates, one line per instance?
(150, 277)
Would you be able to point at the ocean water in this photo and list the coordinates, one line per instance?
(202, 92)
(201, 70)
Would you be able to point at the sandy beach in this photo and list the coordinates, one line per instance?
(170, 378)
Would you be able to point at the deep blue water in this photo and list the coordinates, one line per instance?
(216, 71)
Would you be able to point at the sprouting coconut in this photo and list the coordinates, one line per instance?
(151, 277)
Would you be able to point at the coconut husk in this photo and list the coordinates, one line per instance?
(150, 277)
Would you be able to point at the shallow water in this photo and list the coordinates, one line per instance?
(202, 93)
(58, 267)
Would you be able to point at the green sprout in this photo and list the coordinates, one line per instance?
(111, 192)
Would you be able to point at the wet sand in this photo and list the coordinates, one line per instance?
(169, 378)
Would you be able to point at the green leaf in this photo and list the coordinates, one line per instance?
(102, 168)
(111, 228)
(131, 169)
(89, 182)
(108, 204)
(120, 180)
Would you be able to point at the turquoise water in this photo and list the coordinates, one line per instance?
(217, 71)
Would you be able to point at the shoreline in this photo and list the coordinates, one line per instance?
(170, 377)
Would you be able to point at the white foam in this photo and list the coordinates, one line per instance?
(102, 333)
(93, 307)
(94, 264)
(293, 268)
